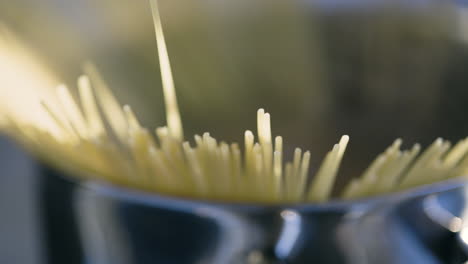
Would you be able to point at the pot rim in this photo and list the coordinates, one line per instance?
(142, 197)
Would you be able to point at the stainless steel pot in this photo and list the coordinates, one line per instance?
(88, 222)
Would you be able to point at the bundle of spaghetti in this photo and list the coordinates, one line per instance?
(97, 147)
(96, 138)
(396, 170)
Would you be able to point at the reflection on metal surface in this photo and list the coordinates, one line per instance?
(464, 236)
(289, 233)
(440, 215)
(403, 228)
(100, 246)
(238, 234)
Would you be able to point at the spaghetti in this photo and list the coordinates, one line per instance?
(121, 151)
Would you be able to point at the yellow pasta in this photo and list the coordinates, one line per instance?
(121, 151)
